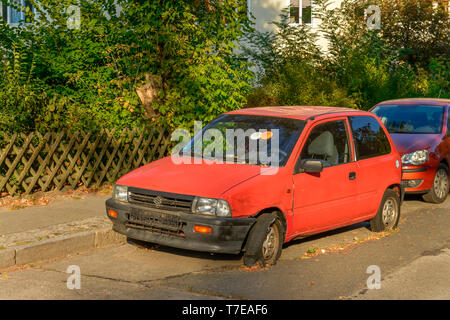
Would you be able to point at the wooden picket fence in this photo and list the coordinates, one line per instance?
(42, 162)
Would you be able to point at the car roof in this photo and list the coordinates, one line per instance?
(299, 112)
(431, 101)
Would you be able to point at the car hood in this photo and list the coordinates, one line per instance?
(406, 143)
(205, 180)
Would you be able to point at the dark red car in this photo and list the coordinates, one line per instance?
(334, 167)
(420, 129)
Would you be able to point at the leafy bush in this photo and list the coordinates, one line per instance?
(439, 82)
(170, 61)
(417, 29)
(175, 61)
(21, 96)
(359, 67)
(371, 64)
(290, 68)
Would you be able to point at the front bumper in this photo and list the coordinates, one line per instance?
(176, 229)
(418, 179)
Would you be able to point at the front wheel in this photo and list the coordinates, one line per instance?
(265, 241)
(388, 213)
(440, 188)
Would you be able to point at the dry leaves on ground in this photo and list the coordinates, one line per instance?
(43, 199)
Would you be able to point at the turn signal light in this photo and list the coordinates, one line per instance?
(112, 213)
(202, 229)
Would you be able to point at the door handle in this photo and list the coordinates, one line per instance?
(352, 175)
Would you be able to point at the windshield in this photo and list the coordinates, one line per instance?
(415, 119)
(247, 139)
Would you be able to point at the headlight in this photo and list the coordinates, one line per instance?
(120, 193)
(211, 207)
(415, 158)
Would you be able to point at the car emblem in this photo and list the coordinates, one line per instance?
(158, 201)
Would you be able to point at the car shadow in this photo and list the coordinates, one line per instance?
(184, 252)
(305, 239)
(237, 257)
(414, 197)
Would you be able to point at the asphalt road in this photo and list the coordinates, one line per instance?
(412, 263)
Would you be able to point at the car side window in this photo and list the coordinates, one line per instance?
(448, 124)
(327, 142)
(369, 137)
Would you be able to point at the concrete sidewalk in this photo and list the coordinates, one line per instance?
(65, 226)
(62, 210)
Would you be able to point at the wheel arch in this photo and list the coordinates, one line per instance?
(278, 212)
(397, 188)
(275, 210)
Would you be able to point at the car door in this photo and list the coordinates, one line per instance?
(374, 158)
(326, 199)
(448, 133)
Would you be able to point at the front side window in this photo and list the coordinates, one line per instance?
(412, 119)
(327, 142)
(448, 123)
(369, 137)
(301, 11)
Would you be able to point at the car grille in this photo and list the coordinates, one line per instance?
(152, 199)
(161, 223)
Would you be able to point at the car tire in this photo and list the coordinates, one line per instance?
(440, 187)
(388, 214)
(265, 241)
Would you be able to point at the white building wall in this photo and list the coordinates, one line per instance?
(265, 11)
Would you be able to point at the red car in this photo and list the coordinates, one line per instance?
(332, 167)
(420, 129)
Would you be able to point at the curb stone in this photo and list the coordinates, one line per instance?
(59, 247)
(7, 258)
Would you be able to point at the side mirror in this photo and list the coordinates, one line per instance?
(311, 166)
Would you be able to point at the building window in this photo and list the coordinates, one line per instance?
(444, 3)
(4, 12)
(301, 11)
(14, 16)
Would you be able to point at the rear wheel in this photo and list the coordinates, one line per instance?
(440, 188)
(388, 213)
(265, 241)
